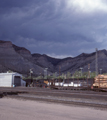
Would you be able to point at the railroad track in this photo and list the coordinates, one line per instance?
(87, 98)
(45, 90)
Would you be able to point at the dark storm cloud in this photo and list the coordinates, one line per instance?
(13, 3)
(62, 27)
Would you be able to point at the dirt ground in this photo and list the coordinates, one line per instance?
(15, 109)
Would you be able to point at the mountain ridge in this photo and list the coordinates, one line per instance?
(21, 60)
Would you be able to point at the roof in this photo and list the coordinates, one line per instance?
(13, 73)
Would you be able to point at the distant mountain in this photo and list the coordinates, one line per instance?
(16, 59)
(46, 61)
(83, 60)
(21, 60)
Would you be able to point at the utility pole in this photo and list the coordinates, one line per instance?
(96, 62)
(88, 70)
(46, 73)
(100, 71)
(59, 70)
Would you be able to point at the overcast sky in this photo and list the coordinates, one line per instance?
(58, 28)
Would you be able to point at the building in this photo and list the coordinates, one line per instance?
(11, 80)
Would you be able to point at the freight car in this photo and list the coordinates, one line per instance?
(70, 84)
(100, 82)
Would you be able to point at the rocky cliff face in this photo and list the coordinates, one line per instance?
(20, 59)
(23, 52)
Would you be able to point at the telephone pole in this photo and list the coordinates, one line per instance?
(88, 70)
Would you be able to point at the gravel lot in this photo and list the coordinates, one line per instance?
(15, 109)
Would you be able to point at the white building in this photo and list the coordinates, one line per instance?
(11, 80)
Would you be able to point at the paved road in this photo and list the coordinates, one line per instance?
(13, 109)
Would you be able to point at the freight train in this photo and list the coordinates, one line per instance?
(70, 84)
(98, 83)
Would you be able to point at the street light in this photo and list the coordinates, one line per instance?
(31, 72)
(81, 71)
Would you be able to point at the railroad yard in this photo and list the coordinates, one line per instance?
(72, 97)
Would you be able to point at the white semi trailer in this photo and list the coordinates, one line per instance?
(11, 80)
